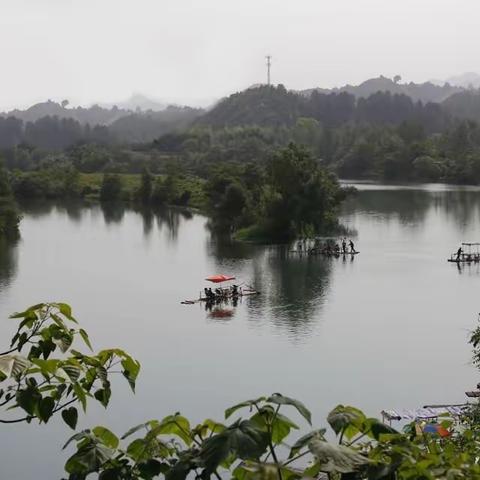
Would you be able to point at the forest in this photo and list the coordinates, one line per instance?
(221, 160)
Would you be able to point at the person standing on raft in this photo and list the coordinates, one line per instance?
(344, 245)
(459, 253)
(352, 247)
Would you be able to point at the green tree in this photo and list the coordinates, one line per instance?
(111, 189)
(42, 375)
(301, 194)
(146, 187)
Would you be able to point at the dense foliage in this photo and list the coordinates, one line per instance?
(291, 195)
(41, 374)
(256, 445)
(9, 216)
(257, 440)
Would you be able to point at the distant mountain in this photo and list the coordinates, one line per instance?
(464, 104)
(139, 102)
(143, 127)
(264, 106)
(465, 80)
(425, 92)
(270, 106)
(94, 115)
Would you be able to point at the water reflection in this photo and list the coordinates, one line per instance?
(113, 212)
(8, 262)
(411, 207)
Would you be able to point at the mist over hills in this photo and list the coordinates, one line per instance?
(140, 119)
(424, 92)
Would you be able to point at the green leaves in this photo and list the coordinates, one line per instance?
(346, 419)
(106, 437)
(70, 417)
(243, 439)
(248, 403)
(173, 425)
(305, 440)
(28, 399)
(274, 423)
(279, 399)
(45, 408)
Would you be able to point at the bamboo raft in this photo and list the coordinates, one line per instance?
(221, 298)
(325, 254)
(470, 256)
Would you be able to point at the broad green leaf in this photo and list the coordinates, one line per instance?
(152, 468)
(279, 399)
(45, 408)
(84, 434)
(303, 441)
(270, 421)
(173, 425)
(47, 367)
(28, 399)
(66, 311)
(73, 371)
(85, 338)
(208, 426)
(374, 428)
(28, 311)
(108, 438)
(88, 459)
(135, 429)
(336, 458)
(70, 417)
(64, 342)
(103, 396)
(242, 439)
(81, 395)
(346, 419)
(138, 450)
(247, 403)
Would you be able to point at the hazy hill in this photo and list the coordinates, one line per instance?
(94, 115)
(269, 106)
(138, 102)
(464, 104)
(465, 80)
(263, 106)
(425, 92)
(142, 127)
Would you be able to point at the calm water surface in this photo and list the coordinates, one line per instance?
(387, 329)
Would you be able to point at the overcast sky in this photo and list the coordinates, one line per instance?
(198, 50)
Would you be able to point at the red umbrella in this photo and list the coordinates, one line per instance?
(219, 278)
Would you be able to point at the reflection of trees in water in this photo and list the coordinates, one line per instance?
(8, 262)
(171, 218)
(460, 206)
(411, 207)
(408, 206)
(223, 249)
(292, 287)
(113, 212)
(168, 218)
(39, 207)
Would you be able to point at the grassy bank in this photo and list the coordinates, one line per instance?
(90, 184)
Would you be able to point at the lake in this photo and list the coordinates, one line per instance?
(386, 329)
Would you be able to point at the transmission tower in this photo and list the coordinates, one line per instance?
(269, 64)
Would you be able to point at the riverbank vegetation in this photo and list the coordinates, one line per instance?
(291, 196)
(220, 161)
(267, 438)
